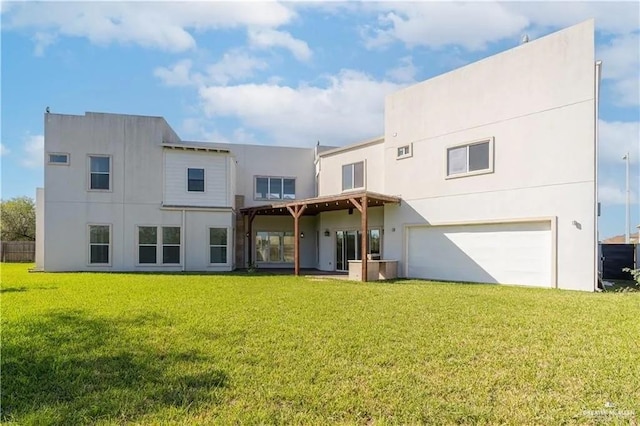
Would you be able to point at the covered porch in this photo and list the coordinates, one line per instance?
(361, 201)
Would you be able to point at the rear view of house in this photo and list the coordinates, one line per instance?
(483, 174)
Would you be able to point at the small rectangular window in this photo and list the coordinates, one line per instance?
(100, 172)
(59, 159)
(353, 176)
(195, 178)
(472, 158)
(289, 192)
(147, 244)
(170, 244)
(217, 245)
(404, 152)
(99, 243)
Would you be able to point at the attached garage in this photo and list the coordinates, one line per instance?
(506, 253)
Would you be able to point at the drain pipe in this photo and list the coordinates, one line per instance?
(183, 239)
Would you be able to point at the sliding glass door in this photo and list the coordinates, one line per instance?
(348, 247)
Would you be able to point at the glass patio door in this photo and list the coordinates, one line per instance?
(348, 247)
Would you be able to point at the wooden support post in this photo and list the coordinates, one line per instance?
(296, 211)
(251, 216)
(364, 251)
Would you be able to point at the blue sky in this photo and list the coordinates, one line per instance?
(285, 73)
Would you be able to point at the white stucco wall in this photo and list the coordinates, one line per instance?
(331, 162)
(537, 102)
(40, 229)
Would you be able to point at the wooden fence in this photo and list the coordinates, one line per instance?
(18, 251)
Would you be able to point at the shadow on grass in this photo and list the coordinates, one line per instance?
(13, 289)
(66, 368)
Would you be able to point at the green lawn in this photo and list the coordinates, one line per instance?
(200, 349)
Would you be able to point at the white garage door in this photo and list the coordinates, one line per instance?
(514, 253)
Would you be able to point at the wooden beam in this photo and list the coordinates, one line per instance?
(252, 215)
(296, 211)
(356, 203)
(364, 251)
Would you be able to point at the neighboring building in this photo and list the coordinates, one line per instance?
(484, 174)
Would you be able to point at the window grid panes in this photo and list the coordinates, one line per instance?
(147, 244)
(217, 245)
(404, 151)
(170, 244)
(275, 188)
(99, 172)
(99, 244)
(195, 180)
(274, 247)
(353, 176)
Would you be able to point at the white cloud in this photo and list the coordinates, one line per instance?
(42, 41)
(234, 65)
(179, 74)
(267, 38)
(616, 139)
(438, 24)
(4, 150)
(349, 108)
(621, 63)
(33, 151)
(405, 72)
(473, 25)
(161, 25)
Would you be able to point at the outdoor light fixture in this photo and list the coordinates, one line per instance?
(326, 233)
(247, 235)
(302, 235)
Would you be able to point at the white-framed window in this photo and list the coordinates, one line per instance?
(471, 158)
(158, 245)
(170, 245)
(274, 247)
(275, 188)
(405, 151)
(147, 245)
(195, 180)
(218, 245)
(100, 245)
(99, 172)
(58, 158)
(353, 176)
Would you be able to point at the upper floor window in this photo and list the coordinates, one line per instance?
(195, 180)
(404, 152)
(100, 172)
(275, 188)
(58, 158)
(469, 159)
(353, 176)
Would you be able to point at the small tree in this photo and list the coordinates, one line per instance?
(18, 219)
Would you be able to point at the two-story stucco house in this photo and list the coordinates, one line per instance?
(483, 174)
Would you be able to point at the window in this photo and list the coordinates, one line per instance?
(217, 245)
(274, 247)
(151, 248)
(59, 159)
(353, 176)
(472, 158)
(195, 180)
(99, 238)
(170, 244)
(275, 188)
(100, 176)
(147, 244)
(404, 152)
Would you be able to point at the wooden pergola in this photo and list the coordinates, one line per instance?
(360, 200)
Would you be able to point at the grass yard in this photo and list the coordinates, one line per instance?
(200, 349)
